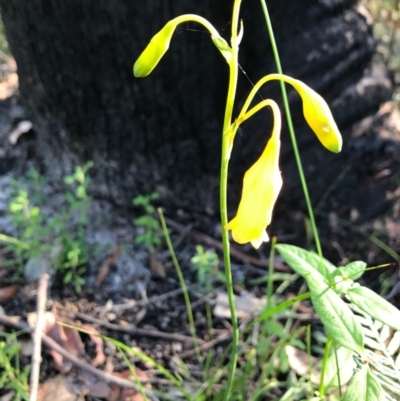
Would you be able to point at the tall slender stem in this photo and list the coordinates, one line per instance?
(226, 145)
(291, 129)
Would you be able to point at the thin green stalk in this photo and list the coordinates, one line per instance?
(324, 366)
(291, 129)
(226, 148)
(270, 274)
(182, 283)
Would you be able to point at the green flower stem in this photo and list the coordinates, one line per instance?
(291, 129)
(197, 18)
(226, 149)
(267, 102)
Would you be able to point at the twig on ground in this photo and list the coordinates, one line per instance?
(37, 336)
(131, 329)
(205, 239)
(143, 302)
(108, 378)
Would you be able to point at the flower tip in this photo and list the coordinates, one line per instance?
(154, 51)
(330, 137)
(139, 70)
(256, 243)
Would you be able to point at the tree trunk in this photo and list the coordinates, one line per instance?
(163, 133)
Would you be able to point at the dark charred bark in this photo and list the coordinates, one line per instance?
(163, 132)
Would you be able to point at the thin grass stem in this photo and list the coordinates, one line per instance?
(182, 283)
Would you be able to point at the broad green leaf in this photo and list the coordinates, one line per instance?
(375, 306)
(343, 367)
(357, 390)
(304, 262)
(336, 316)
(375, 391)
(353, 271)
(334, 313)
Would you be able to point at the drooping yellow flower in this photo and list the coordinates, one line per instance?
(261, 186)
(159, 44)
(316, 111)
(319, 117)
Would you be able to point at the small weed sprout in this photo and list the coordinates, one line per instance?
(206, 265)
(150, 234)
(43, 231)
(11, 376)
(75, 252)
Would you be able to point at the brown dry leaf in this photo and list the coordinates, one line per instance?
(156, 267)
(57, 388)
(97, 340)
(105, 267)
(66, 337)
(8, 293)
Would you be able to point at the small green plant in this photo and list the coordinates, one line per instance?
(75, 252)
(58, 237)
(12, 377)
(150, 234)
(206, 265)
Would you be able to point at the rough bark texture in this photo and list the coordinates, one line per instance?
(163, 133)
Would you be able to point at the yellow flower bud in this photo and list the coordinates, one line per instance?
(154, 51)
(319, 117)
(159, 44)
(261, 186)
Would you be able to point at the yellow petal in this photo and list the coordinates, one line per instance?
(261, 186)
(319, 117)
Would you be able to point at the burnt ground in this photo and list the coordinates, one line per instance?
(134, 296)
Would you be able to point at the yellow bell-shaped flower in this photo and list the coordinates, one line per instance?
(261, 186)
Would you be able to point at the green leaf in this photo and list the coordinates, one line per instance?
(343, 368)
(375, 306)
(353, 271)
(374, 390)
(357, 390)
(80, 192)
(304, 262)
(336, 316)
(364, 387)
(68, 277)
(69, 179)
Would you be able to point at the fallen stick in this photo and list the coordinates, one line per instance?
(37, 336)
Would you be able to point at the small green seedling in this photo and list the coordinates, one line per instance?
(206, 265)
(44, 231)
(12, 378)
(150, 234)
